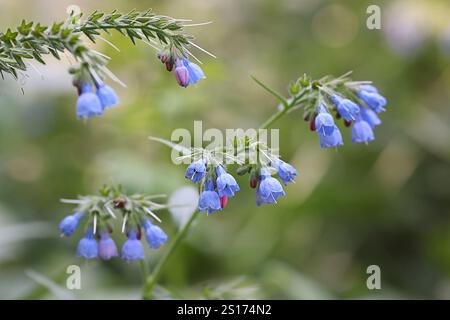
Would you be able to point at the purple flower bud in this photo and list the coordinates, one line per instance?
(182, 74)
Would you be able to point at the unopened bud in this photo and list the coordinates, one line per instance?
(182, 75)
(223, 201)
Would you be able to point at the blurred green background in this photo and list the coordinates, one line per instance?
(386, 204)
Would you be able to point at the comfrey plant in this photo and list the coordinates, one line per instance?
(325, 102)
(97, 213)
(31, 41)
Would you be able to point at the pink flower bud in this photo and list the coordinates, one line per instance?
(223, 201)
(254, 181)
(182, 75)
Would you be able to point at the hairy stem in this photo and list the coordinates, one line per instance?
(31, 41)
(156, 273)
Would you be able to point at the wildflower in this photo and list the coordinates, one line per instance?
(286, 172)
(155, 235)
(88, 104)
(196, 171)
(226, 184)
(132, 249)
(324, 123)
(346, 108)
(370, 117)
(269, 189)
(369, 94)
(87, 247)
(361, 131)
(209, 199)
(68, 225)
(333, 140)
(106, 247)
(107, 96)
(181, 74)
(195, 72)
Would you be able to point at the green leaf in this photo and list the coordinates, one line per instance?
(161, 36)
(38, 29)
(95, 16)
(185, 151)
(56, 27)
(54, 53)
(38, 57)
(65, 33)
(25, 28)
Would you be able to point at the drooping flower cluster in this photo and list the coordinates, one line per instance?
(217, 185)
(90, 103)
(186, 72)
(360, 115)
(97, 242)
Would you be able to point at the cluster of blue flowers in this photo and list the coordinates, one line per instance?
(218, 185)
(186, 72)
(268, 189)
(92, 104)
(362, 117)
(94, 246)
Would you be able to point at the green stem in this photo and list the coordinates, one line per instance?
(144, 270)
(154, 277)
(121, 26)
(282, 111)
(274, 118)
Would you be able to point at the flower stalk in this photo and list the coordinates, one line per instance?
(152, 280)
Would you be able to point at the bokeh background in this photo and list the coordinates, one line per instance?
(386, 204)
